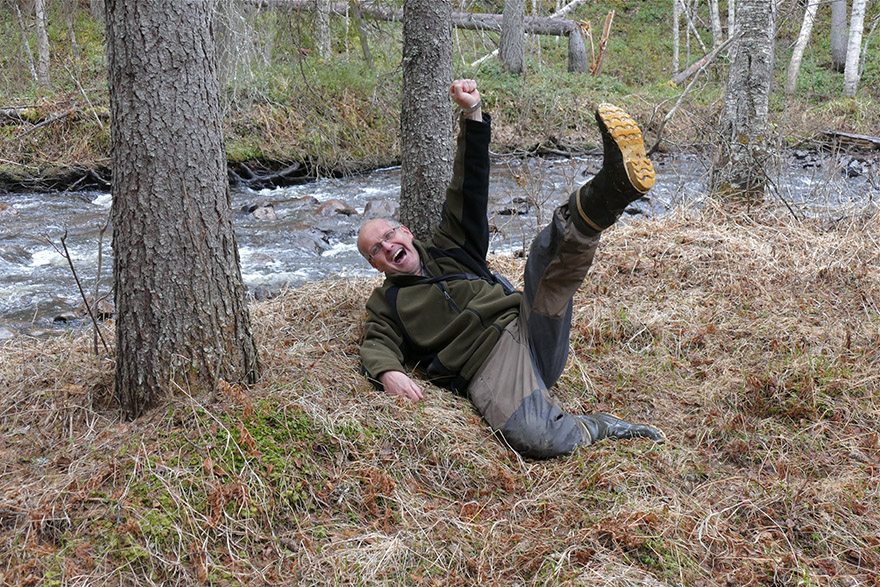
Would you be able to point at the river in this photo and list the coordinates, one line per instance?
(39, 296)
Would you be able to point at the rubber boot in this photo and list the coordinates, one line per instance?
(607, 426)
(626, 175)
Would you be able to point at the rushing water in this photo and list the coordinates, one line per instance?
(37, 286)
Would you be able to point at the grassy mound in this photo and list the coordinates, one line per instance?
(751, 339)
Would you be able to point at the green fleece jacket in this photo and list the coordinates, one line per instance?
(446, 321)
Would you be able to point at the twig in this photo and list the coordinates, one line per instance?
(66, 255)
(24, 40)
(83, 92)
(98, 276)
(705, 63)
(64, 114)
(700, 64)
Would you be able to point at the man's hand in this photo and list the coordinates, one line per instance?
(399, 383)
(464, 93)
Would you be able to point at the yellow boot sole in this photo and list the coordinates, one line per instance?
(628, 138)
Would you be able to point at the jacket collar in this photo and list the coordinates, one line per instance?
(428, 267)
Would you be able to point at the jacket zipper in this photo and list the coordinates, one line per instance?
(449, 300)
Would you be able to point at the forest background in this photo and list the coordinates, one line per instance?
(285, 104)
(750, 336)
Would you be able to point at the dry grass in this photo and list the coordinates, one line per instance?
(752, 340)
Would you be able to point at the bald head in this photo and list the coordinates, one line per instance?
(388, 246)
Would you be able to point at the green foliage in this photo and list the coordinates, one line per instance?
(283, 103)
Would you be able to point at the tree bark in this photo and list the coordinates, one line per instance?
(577, 52)
(358, 16)
(425, 121)
(856, 28)
(838, 35)
(42, 42)
(715, 15)
(800, 45)
(322, 28)
(69, 8)
(96, 9)
(740, 168)
(513, 36)
(676, 35)
(867, 38)
(182, 319)
(27, 46)
(731, 29)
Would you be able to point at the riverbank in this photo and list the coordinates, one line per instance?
(288, 110)
(751, 338)
(296, 166)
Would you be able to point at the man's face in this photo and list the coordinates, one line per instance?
(395, 254)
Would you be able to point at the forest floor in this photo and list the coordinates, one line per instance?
(750, 338)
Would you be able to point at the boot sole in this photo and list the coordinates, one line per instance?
(628, 138)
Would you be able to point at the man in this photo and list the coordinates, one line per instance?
(441, 307)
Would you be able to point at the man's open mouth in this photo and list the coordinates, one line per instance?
(399, 255)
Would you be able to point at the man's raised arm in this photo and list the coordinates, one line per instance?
(464, 224)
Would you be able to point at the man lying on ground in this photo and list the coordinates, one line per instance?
(441, 308)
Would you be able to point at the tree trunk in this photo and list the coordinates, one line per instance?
(182, 319)
(96, 9)
(715, 15)
(358, 16)
(27, 46)
(69, 8)
(865, 46)
(42, 42)
(800, 45)
(322, 28)
(731, 30)
(513, 36)
(676, 35)
(577, 52)
(425, 123)
(739, 169)
(856, 28)
(838, 35)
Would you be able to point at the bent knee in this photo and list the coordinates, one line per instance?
(539, 429)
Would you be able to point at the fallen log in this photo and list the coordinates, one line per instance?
(700, 64)
(19, 114)
(41, 116)
(535, 25)
(853, 139)
(244, 175)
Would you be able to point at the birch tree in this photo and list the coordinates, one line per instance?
(42, 42)
(27, 47)
(96, 9)
(715, 16)
(676, 35)
(838, 35)
(853, 48)
(800, 45)
(322, 28)
(513, 36)
(731, 29)
(739, 168)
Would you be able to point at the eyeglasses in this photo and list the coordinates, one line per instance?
(378, 246)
